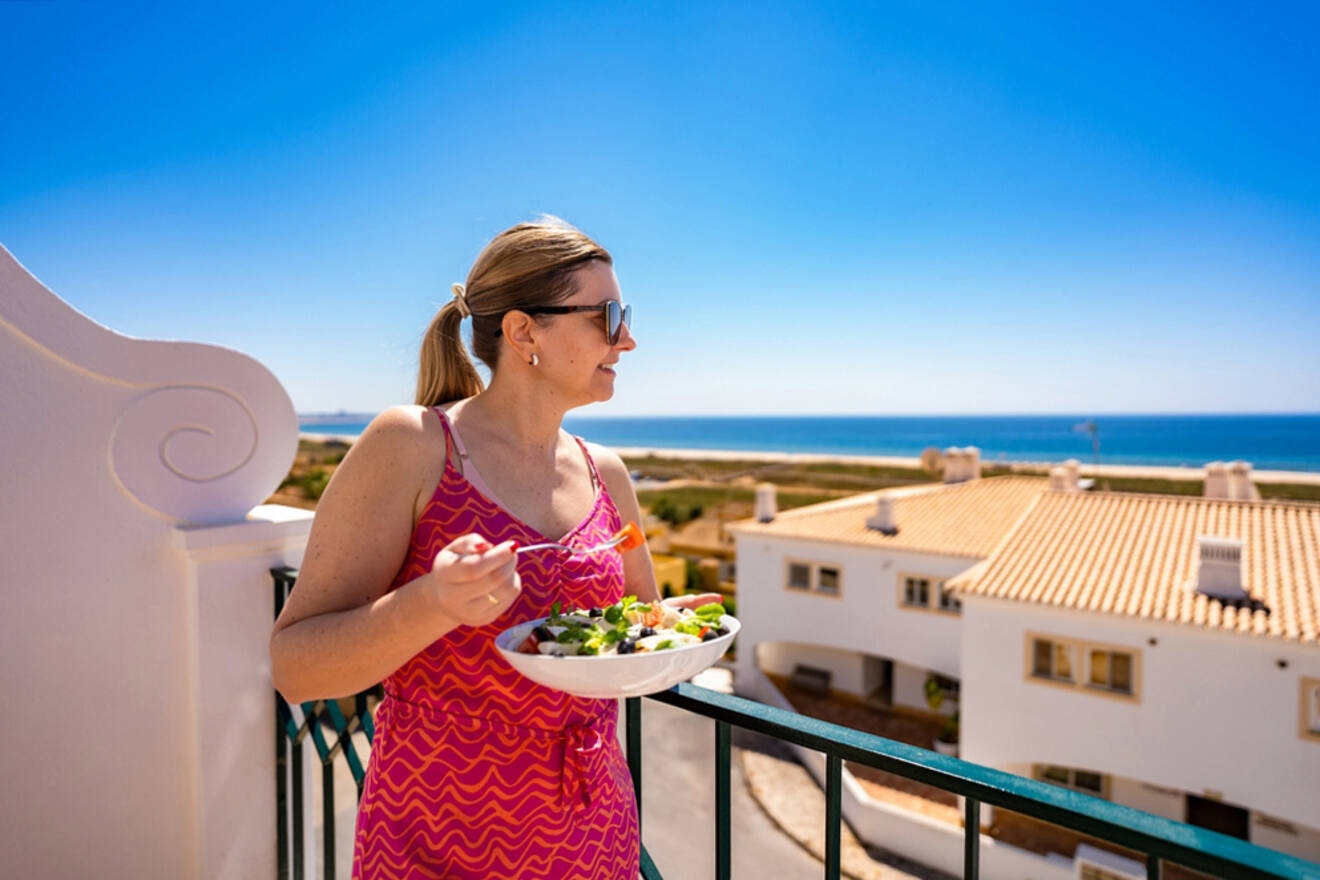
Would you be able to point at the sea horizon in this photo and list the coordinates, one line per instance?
(1269, 441)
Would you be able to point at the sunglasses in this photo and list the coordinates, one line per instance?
(617, 316)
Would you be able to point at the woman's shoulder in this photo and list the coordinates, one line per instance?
(401, 433)
(612, 469)
(397, 425)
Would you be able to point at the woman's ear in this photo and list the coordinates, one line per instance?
(519, 330)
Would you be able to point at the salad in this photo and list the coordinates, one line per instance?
(627, 627)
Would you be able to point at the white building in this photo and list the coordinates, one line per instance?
(820, 588)
(1072, 631)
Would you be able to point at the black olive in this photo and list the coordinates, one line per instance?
(646, 631)
(627, 646)
(723, 630)
(543, 635)
(710, 636)
(595, 612)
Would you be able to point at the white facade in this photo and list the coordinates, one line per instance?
(1215, 714)
(136, 602)
(864, 617)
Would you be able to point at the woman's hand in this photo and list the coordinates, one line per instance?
(694, 602)
(473, 582)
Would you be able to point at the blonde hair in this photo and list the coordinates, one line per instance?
(525, 266)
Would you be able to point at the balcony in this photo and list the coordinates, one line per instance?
(1162, 842)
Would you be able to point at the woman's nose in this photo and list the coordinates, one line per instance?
(627, 342)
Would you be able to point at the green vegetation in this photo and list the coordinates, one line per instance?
(815, 475)
(1289, 491)
(321, 452)
(704, 498)
(674, 512)
(312, 481)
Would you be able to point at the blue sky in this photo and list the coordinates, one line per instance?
(815, 208)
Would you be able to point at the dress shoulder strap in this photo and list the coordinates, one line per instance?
(450, 437)
(596, 481)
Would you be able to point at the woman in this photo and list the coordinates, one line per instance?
(410, 572)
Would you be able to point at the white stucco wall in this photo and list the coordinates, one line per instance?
(1216, 713)
(133, 655)
(910, 690)
(847, 668)
(1300, 840)
(864, 618)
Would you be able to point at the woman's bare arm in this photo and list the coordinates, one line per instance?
(638, 571)
(342, 629)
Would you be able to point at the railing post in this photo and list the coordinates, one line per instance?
(633, 711)
(328, 816)
(296, 783)
(723, 862)
(1152, 867)
(971, 838)
(833, 814)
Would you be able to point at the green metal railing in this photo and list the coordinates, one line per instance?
(1159, 839)
(331, 732)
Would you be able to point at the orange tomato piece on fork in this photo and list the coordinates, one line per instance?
(632, 537)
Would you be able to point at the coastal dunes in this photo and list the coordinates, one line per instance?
(723, 478)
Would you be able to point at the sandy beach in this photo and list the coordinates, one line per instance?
(1105, 470)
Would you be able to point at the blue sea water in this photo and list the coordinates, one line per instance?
(1273, 442)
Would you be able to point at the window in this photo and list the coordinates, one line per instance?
(1311, 708)
(1111, 670)
(815, 577)
(916, 591)
(828, 580)
(1052, 660)
(949, 602)
(1084, 781)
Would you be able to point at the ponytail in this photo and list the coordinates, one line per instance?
(446, 373)
(525, 266)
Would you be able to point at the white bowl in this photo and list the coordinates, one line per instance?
(611, 676)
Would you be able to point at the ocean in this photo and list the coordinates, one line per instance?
(1269, 442)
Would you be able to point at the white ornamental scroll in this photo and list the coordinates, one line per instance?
(203, 433)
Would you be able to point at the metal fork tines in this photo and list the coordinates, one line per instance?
(613, 542)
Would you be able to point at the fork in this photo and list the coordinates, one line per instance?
(626, 538)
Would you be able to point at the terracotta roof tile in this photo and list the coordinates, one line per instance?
(961, 519)
(1134, 555)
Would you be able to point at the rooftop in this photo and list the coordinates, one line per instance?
(1134, 555)
(959, 519)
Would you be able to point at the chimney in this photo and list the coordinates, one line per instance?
(1219, 569)
(1240, 487)
(961, 465)
(1066, 477)
(766, 502)
(973, 462)
(1216, 480)
(883, 518)
(953, 461)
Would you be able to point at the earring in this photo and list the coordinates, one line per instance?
(534, 361)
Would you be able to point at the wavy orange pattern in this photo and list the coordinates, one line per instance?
(477, 772)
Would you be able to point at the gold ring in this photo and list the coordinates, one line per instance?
(492, 599)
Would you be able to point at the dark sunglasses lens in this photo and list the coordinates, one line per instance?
(613, 317)
(616, 318)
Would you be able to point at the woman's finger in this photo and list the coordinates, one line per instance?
(474, 566)
(694, 601)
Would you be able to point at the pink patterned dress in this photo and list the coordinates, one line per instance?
(477, 772)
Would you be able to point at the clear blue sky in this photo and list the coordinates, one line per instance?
(815, 208)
